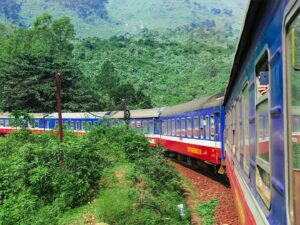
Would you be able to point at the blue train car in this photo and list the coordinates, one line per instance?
(262, 103)
(79, 122)
(143, 120)
(195, 130)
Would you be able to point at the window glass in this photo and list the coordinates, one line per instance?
(77, 125)
(263, 180)
(201, 127)
(138, 125)
(294, 115)
(183, 127)
(72, 125)
(245, 112)
(1, 123)
(36, 123)
(145, 126)
(177, 127)
(132, 124)
(151, 128)
(164, 127)
(84, 125)
(212, 127)
(56, 124)
(241, 133)
(173, 127)
(237, 130)
(169, 126)
(189, 127)
(47, 124)
(158, 126)
(196, 127)
(207, 127)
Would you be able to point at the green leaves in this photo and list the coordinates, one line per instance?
(207, 211)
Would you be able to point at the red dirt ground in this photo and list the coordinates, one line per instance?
(207, 189)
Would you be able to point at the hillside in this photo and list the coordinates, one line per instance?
(105, 18)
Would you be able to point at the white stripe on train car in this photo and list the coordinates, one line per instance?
(207, 143)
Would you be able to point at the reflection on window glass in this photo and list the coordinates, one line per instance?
(145, 126)
(164, 126)
(182, 126)
(246, 129)
(201, 127)
(207, 127)
(169, 126)
(196, 127)
(173, 127)
(294, 134)
(151, 127)
(77, 125)
(263, 136)
(189, 127)
(212, 128)
(177, 127)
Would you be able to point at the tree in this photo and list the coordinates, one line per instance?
(29, 59)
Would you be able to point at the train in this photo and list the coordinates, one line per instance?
(251, 132)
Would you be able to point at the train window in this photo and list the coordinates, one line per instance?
(77, 125)
(245, 119)
(56, 124)
(47, 124)
(293, 88)
(83, 125)
(237, 131)
(132, 124)
(151, 127)
(138, 125)
(201, 127)
(36, 123)
(1, 123)
(196, 127)
(183, 131)
(145, 126)
(72, 125)
(212, 128)
(173, 127)
(189, 127)
(158, 126)
(169, 127)
(262, 76)
(163, 127)
(207, 127)
(263, 177)
(177, 127)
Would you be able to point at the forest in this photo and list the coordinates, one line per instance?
(150, 69)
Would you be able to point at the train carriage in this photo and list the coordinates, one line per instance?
(195, 129)
(143, 120)
(262, 115)
(79, 122)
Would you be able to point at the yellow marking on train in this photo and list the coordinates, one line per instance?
(197, 151)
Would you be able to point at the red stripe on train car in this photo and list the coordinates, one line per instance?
(245, 214)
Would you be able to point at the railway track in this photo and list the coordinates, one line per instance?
(207, 187)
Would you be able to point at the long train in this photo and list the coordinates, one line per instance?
(254, 129)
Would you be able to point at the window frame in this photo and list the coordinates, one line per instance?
(290, 14)
(194, 127)
(262, 164)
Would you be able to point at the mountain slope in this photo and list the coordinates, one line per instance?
(105, 18)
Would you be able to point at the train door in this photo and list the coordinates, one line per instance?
(293, 114)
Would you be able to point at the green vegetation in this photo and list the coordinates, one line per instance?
(102, 18)
(170, 70)
(207, 211)
(123, 180)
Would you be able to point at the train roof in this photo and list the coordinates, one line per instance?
(139, 113)
(5, 115)
(206, 102)
(79, 115)
(252, 18)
